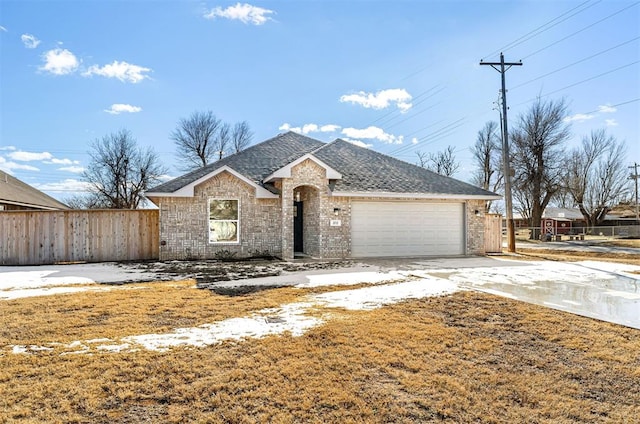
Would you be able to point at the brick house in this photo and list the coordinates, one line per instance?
(294, 195)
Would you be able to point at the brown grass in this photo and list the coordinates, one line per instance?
(574, 255)
(469, 357)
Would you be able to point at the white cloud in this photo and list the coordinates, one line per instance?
(123, 71)
(69, 184)
(245, 13)
(380, 100)
(606, 109)
(288, 127)
(310, 128)
(65, 161)
(118, 108)
(372, 133)
(8, 166)
(8, 148)
(611, 122)
(29, 41)
(29, 156)
(330, 128)
(3, 29)
(59, 62)
(414, 140)
(578, 117)
(358, 143)
(74, 169)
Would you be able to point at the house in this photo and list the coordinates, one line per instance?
(294, 195)
(17, 195)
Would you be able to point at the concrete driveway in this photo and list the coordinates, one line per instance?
(600, 290)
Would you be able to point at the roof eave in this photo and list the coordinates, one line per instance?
(32, 205)
(387, 194)
(189, 189)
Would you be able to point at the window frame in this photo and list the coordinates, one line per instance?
(210, 220)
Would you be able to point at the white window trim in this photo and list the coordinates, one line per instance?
(233, 220)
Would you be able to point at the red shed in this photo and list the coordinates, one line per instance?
(555, 226)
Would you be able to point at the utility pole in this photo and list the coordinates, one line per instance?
(634, 176)
(503, 68)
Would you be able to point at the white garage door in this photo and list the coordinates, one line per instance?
(407, 229)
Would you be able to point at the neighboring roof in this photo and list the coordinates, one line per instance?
(568, 213)
(362, 171)
(15, 192)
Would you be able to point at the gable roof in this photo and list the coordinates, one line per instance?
(255, 162)
(15, 192)
(353, 170)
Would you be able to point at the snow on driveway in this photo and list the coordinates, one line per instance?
(606, 291)
(601, 290)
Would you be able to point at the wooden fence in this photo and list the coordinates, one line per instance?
(48, 237)
(493, 233)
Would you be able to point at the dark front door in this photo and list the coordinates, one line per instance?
(298, 245)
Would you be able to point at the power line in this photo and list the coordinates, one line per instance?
(575, 63)
(580, 30)
(616, 105)
(539, 30)
(580, 82)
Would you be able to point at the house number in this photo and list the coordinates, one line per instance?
(335, 223)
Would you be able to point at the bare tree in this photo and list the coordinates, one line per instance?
(85, 201)
(223, 139)
(443, 162)
(196, 139)
(202, 138)
(538, 156)
(120, 171)
(596, 175)
(487, 154)
(241, 136)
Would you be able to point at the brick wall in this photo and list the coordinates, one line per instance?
(475, 227)
(184, 222)
(320, 239)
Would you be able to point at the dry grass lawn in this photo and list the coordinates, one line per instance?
(468, 357)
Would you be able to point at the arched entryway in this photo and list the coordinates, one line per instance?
(306, 221)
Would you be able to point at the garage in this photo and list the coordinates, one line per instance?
(407, 229)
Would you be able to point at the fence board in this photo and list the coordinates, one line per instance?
(493, 233)
(48, 237)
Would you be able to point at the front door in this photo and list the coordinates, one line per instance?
(298, 245)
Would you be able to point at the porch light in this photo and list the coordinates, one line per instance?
(297, 196)
(336, 211)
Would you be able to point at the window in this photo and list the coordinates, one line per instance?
(224, 221)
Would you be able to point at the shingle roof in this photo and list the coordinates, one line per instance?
(15, 192)
(363, 170)
(255, 163)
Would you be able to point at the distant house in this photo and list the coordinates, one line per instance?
(571, 221)
(17, 195)
(294, 195)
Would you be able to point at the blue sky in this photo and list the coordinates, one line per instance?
(398, 76)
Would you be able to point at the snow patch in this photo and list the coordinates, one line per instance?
(374, 297)
(352, 278)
